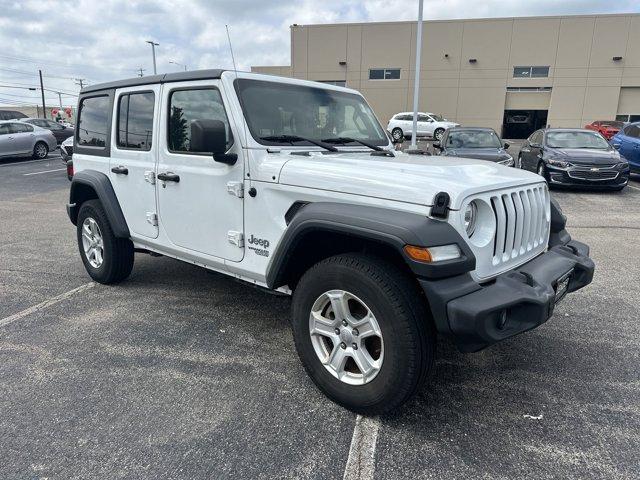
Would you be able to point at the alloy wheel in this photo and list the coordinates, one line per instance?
(41, 150)
(346, 337)
(92, 242)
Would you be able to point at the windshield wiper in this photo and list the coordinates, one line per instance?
(295, 138)
(343, 140)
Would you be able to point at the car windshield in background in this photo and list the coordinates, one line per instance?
(577, 140)
(277, 109)
(613, 124)
(473, 139)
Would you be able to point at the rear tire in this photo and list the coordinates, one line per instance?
(107, 259)
(40, 150)
(397, 135)
(404, 351)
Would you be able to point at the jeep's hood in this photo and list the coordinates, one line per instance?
(405, 178)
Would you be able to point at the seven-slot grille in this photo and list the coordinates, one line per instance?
(522, 224)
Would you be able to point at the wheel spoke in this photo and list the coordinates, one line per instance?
(98, 256)
(337, 359)
(367, 326)
(322, 325)
(340, 305)
(364, 362)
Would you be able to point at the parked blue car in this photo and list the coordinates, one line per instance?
(627, 142)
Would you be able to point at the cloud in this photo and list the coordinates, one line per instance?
(105, 40)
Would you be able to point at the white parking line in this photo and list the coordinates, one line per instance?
(25, 162)
(361, 464)
(47, 303)
(46, 171)
(633, 186)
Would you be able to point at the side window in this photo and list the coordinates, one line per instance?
(632, 131)
(423, 118)
(20, 128)
(4, 129)
(185, 106)
(26, 128)
(135, 121)
(53, 125)
(93, 122)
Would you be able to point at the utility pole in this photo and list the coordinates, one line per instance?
(153, 51)
(60, 100)
(416, 84)
(141, 70)
(80, 81)
(44, 107)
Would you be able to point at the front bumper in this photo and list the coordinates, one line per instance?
(477, 316)
(588, 176)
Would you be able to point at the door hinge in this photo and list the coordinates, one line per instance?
(236, 188)
(150, 177)
(152, 218)
(235, 238)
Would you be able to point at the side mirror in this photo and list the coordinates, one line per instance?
(210, 136)
(534, 145)
(506, 145)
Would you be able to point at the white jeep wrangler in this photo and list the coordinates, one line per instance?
(294, 186)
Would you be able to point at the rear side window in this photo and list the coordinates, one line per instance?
(185, 106)
(135, 121)
(632, 131)
(93, 122)
(21, 128)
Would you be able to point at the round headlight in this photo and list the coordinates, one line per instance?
(470, 214)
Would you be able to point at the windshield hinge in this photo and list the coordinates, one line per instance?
(235, 188)
(440, 208)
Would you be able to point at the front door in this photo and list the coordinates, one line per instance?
(196, 204)
(133, 156)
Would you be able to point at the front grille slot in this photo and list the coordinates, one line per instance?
(593, 175)
(521, 222)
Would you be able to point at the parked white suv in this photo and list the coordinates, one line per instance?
(429, 125)
(294, 186)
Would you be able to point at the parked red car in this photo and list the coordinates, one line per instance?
(608, 128)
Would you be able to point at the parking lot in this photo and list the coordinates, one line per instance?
(183, 373)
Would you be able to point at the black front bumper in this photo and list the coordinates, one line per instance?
(583, 176)
(477, 316)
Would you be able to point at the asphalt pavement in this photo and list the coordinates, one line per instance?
(183, 373)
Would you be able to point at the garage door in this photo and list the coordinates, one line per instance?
(629, 104)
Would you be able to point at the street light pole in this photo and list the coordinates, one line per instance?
(44, 107)
(416, 84)
(179, 64)
(153, 51)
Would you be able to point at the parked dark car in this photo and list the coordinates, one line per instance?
(627, 142)
(11, 115)
(474, 142)
(59, 131)
(574, 157)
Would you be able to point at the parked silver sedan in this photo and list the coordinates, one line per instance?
(19, 139)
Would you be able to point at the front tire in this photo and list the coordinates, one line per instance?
(363, 332)
(106, 258)
(438, 133)
(40, 150)
(542, 171)
(397, 135)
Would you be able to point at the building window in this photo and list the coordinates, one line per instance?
(384, 74)
(628, 118)
(337, 83)
(528, 89)
(530, 72)
(93, 122)
(135, 121)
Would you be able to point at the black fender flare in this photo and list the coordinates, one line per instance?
(394, 228)
(86, 181)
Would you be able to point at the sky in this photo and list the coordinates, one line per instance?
(105, 40)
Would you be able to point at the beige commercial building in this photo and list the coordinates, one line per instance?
(512, 74)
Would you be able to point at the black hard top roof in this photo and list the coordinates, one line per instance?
(151, 79)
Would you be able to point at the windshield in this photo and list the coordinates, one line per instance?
(438, 118)
(577, 140)
(275, 109)
(617, 125)
(473, 139)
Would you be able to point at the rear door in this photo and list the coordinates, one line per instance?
(7, 141)
(24, 137)
(197, 208)
(631, 145)
(133, 156)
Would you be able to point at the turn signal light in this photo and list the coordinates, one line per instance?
(433, 254)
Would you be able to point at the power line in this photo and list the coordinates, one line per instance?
(21, 85)
(59, 64)
(22, 72)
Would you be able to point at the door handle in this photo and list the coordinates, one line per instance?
(120, 170)
(168, 177)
